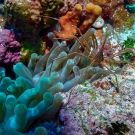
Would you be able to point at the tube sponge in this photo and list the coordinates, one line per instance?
(95, 9)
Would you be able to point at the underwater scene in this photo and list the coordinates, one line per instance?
(67, 67)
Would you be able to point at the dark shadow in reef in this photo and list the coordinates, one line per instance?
(9, 71)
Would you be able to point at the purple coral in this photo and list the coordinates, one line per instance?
(9, 47)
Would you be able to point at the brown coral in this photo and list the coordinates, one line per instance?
(114, 11)
(36, 10)
(122, 19)
(92, 12)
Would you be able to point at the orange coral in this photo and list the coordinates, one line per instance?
(69, 22)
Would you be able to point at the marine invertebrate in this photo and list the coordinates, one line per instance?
(96, 56)
(119, 17)
(129, 43)
(29, 96)
(35, 88)
(24, 17)
(2, 73)
(10, 48)
(71, 22)
(92, 13)
(68, 23)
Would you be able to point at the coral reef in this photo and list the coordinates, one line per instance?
(118, 16)
(69, 5)
(68, 24)
(91, 109)
(71, 22)
(51, 8)
(81, 86)
(25, 19)
(9, 48)
(35, 90)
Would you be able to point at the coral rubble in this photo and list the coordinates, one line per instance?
(93, 110)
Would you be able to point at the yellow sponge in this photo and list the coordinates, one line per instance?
(78, 7)
(95, 9)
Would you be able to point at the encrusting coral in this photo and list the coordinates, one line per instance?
(93, 110)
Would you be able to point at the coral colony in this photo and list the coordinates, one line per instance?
(67, 67)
